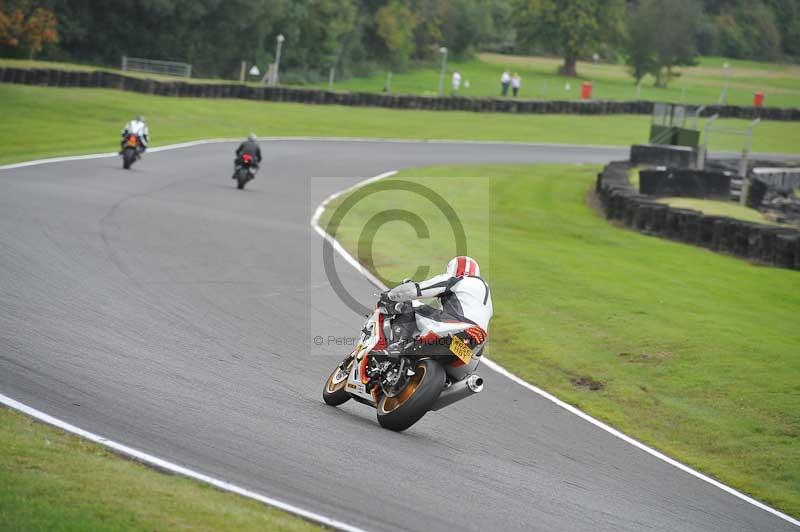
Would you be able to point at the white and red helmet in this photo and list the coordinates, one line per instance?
(463, 266)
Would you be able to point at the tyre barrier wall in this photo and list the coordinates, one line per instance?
(774, 246)
(109, 80)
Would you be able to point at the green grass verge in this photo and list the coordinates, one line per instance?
(42, 122)
(50, 480)
(700, 85)
(695, 352)
(720, 208)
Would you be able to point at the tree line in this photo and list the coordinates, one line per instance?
(358, 36)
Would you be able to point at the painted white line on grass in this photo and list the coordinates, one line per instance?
(151, 460)
(68, 158)
(190, 144)
(193, 143)
(503, 371)
(335, 243)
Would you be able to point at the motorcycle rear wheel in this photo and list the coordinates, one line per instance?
(241, 178)
(420, 393)
(334, 392)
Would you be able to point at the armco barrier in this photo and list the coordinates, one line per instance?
(772, 245)
(663, 155)
(685, 183)
(109, 80)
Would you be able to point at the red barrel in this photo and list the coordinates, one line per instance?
(586, 90)
(758, 99)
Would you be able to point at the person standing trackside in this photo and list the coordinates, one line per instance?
(505, 81)
(456, 82)
(516, 83)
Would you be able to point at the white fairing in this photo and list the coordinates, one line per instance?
(354, 385)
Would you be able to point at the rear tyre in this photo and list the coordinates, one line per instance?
(241, 178)
(421, 392)
(334, 392)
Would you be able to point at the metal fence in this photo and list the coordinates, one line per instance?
(168, 68)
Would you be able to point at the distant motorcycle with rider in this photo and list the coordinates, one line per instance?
(135, 137)
(248, 159)
(412, 358)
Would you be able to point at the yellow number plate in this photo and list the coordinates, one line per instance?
(460, 349)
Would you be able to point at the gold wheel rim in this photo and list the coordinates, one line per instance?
(393, 403)
(330, 387)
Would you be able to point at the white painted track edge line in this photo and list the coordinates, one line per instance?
(192, 143)
(340, 249)
(504, 372)
(162, 464)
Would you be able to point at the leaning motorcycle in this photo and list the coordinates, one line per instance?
(245, 170)
(130, 151)
(403, 388)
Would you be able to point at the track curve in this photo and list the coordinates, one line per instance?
(168, 311)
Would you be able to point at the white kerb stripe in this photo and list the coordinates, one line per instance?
(503, 371)
(193, 143)
(175, 468)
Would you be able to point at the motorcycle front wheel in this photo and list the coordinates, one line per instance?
(415, 399)
(128, 157)
(334, 392)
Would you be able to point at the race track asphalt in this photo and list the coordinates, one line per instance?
(164, 309)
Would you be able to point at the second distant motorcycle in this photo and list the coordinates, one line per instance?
(131, 150)
(245, 170)
(248, 156)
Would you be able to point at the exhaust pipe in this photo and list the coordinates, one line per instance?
(458, 391)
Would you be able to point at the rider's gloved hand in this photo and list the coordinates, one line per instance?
(384, 303)
(404, 292)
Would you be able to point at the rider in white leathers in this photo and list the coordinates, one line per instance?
(466, 306)
(136, 127)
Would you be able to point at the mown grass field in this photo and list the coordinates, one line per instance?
(701, 84)
(695, 353)
(50, 480)
(42, 122)
(719, 208)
